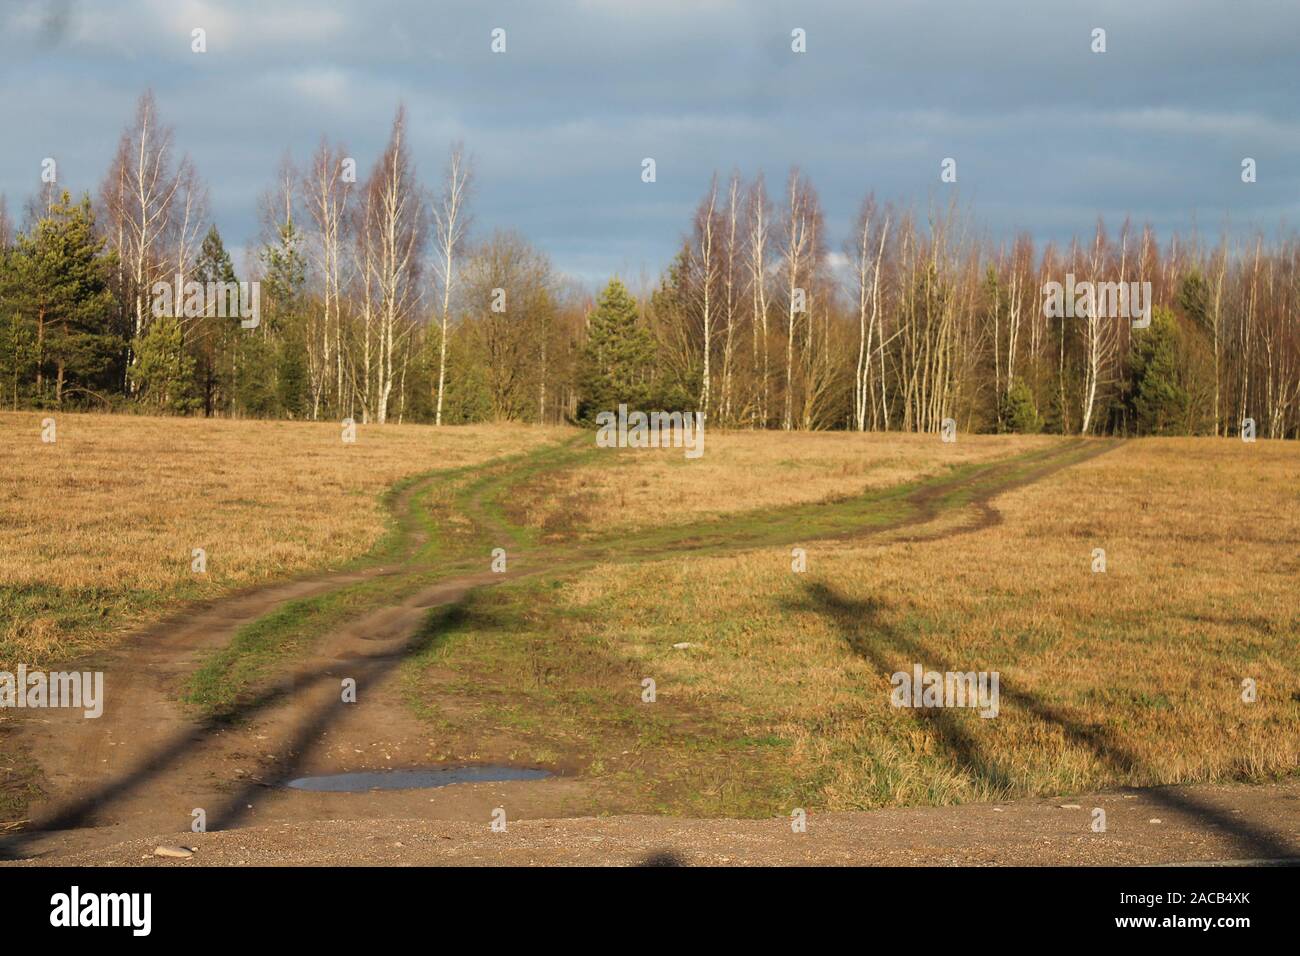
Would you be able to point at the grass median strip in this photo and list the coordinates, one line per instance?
(458, 509)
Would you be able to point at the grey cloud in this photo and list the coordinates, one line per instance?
(1047, 135)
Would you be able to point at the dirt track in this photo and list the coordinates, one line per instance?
(122, 784)
(1203, 824)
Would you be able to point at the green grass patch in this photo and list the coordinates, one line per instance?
(514, 668)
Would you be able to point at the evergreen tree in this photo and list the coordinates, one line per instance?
(1017, 411)
(61, 273)
(163, 373)
(467, 397)
(1157, 397)
(17, 344)
(618, 358)
(286, 277)
(283, 290)
(17, 354)
(1194, 298)
(254, 384)
(215, 339)
(292, 390)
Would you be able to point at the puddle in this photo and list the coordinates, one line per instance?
(414, 779)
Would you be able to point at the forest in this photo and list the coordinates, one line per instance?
(380, 302)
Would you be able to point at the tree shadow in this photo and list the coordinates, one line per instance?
(862, 628)
(314, 720)
(663, 858)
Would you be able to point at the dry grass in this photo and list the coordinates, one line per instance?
(98, 528)
(741, 471)
(1128, 677)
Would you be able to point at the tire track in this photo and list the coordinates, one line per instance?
(142, 767)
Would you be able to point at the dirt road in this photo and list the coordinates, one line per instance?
(1202, 824)
(138, 776)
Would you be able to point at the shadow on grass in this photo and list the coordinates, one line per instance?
(312, 722)
(862, 628)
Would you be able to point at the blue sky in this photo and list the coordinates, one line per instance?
(1047, 134)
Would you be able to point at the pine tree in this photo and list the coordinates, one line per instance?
(17, 343)
(63, 273)
(1158, 399)
(1017, 412)
(286, 277)
(284, 290)
(617, 362)
(292, 389)
(214, 339)
(254, 384)
(163, 373)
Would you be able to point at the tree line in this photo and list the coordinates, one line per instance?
(380, 303)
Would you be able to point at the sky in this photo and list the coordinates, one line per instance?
(1047, 134)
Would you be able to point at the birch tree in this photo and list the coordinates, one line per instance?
(731, 292)
(705, 263)
(451, 221)
(802, 223)
(139, 194)
(868, 255)
(757, 216)
(397, 219)
(326, 193)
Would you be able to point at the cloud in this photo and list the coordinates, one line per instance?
(1047, 134)
(325, 85)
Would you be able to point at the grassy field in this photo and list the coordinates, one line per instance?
(971, 556)
(1131, 676)
(740, 471)
(99, 527)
